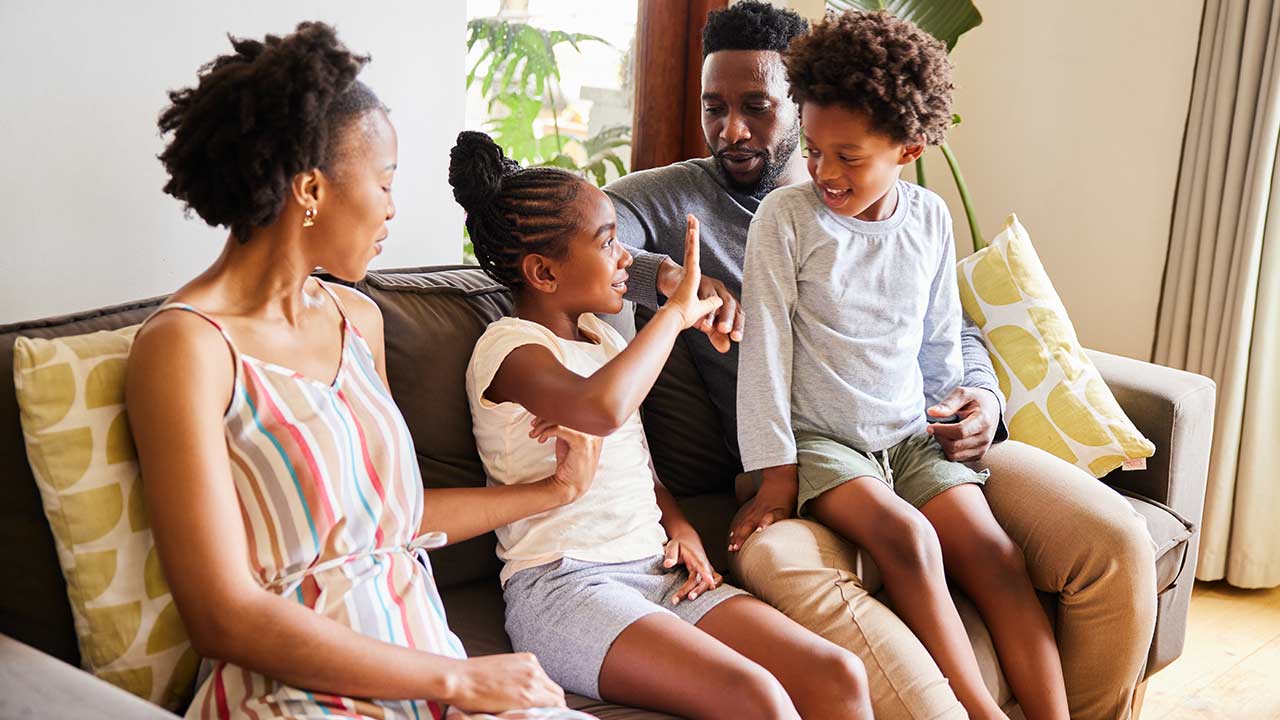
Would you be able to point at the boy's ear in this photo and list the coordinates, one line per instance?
(911, 153)
(539, 272)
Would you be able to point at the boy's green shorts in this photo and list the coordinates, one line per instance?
(916, 468)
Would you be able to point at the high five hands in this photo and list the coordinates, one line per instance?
(722, 323)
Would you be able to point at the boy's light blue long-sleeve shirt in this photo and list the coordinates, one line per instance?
(852, 329)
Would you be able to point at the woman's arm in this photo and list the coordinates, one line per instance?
(195, 518)
(531, 376)
(464, 513)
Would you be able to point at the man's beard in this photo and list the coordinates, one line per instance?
(774, 164)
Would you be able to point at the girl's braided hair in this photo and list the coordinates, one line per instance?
(511, 211)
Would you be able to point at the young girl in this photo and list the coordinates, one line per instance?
(613, 592)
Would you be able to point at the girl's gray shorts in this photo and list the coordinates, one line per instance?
(569, 612)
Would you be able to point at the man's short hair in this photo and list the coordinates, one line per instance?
(751, 25)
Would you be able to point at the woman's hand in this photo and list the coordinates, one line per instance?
(694, 311)
(496, 683)
(577, 455)
(685, 548)
(776, 500)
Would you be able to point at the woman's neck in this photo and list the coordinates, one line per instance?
(264, 278)
(535, 308)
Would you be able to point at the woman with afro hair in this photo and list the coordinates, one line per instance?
(280, 478)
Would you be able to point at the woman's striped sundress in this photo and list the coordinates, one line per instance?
(331, 498)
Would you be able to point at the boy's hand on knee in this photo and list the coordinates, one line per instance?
(776, 500)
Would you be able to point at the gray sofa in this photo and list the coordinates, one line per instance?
(433, 317)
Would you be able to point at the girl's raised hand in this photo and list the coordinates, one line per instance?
(694, 311)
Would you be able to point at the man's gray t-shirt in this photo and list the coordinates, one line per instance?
(651, 207)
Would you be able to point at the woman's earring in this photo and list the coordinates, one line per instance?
(309, 217)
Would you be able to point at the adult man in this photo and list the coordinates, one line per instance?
(1080, 540)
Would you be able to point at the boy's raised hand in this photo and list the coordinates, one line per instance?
(695, 311)
(577, 455)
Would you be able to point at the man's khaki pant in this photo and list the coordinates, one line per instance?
(1083, 543)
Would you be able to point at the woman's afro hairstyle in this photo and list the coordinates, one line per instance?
(751, 25)
(511, 211)
(874, 63)
(256, 118)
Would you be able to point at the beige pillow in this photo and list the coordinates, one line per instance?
(1056, 399)
(71, 401)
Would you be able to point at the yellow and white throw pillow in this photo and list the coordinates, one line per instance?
(1056, 399)
(71, 399)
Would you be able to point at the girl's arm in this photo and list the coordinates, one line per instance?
(600, 404)
(195, 518)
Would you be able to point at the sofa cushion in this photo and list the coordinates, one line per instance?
(71, 396)
(34, 608)
(1056, 399)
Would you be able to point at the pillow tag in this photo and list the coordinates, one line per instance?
(1134, 464)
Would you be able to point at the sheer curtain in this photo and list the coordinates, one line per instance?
(1220, 306)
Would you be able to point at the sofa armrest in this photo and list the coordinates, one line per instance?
(1174, 409)
(33, 684)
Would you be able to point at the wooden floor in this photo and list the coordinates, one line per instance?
(1230, 667)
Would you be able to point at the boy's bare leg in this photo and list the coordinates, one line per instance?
(905, 548)
(823, 679)
(663, 663)
(991, 571)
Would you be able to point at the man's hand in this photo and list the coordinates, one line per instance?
(978, 415)
(721, 327)
(776, 500)
(685, 548)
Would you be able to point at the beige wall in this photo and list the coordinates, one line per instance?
(83, 221)
(1073, 118)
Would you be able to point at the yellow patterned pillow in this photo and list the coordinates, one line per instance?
(71, 400)
(1057, 401)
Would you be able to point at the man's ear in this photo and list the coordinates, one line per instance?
(539, 272)
(911, 153)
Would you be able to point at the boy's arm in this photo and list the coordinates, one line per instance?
(765, 436)
(976, 402)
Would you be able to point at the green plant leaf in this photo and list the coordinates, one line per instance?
(514, 131)
(946, 20)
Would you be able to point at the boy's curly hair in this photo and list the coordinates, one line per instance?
(257, 117)
(875, 63)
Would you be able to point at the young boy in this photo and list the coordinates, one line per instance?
(852, 338)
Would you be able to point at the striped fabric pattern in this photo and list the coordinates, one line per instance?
(331, 496)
